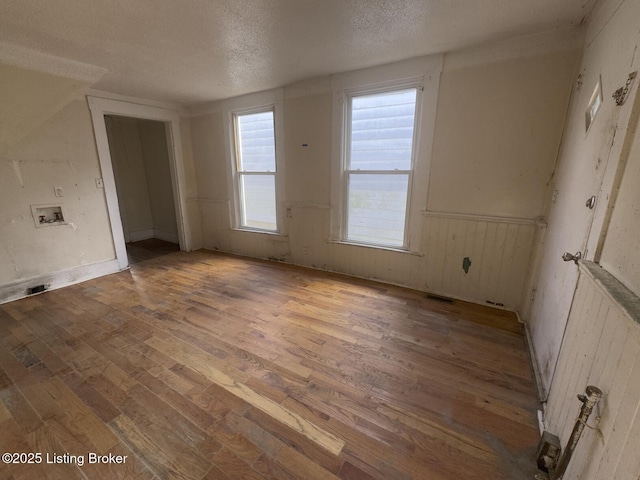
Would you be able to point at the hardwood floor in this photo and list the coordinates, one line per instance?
(149, 249)
(208, 366)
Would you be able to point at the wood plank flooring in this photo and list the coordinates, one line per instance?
(209, 366)
(148, 249)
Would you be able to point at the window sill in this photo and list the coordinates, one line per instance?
(263, 232)
(377, 247)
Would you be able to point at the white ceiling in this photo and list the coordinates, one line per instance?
(192, 51)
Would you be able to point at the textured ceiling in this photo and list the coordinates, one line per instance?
(192, 51)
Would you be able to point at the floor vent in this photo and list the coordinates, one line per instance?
(36, 289)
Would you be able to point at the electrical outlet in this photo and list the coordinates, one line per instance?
(57, 191)
(99, 183)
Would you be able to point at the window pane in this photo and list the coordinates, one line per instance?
(377, 207)
(382, 130)
(258, 196)
(256, 143)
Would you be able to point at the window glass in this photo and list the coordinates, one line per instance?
(256, 142)
(378, 167)
(256, 170)
(377, 208)
(258, 194)
(382, 130)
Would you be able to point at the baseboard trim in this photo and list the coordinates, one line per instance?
(540, 390)
(17, 290)
(153, 233)
(141, 235)
(166, 236)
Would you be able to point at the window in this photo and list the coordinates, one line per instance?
(255, 168)
(378, 165)
(383, 124)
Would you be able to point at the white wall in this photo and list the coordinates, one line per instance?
(127, 158)
(59, 153)
(497, 135)
(601, 343)
(29, 98)
(587, 161)
(156, 159)
(141, 165)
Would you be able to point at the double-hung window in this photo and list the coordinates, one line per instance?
(378, 160)
(255, 170)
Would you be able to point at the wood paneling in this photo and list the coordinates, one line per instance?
(601, 348)
(209, 366)
(499, 250)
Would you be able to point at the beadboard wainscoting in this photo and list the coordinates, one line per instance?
(477, 258)
(601, 348)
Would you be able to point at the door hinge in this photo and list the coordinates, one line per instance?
(620, 95)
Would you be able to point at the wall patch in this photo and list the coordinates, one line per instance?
(466, 263)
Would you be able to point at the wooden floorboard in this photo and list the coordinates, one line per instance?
(208, 366)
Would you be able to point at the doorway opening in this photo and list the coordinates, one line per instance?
(140, 146)
(141, 168)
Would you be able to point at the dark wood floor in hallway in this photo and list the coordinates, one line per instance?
(208, 366)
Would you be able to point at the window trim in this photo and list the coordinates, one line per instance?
(348, 95)
(424, 73)
(248, 104)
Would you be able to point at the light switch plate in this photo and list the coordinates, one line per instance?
(57, 191)
(99, 183)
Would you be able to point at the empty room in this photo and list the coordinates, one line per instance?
(304, 239)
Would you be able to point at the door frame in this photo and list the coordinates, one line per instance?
(100, 107)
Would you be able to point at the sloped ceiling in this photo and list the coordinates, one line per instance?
(193, 51)
(30, 98)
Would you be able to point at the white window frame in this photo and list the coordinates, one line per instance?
(422, 74)
(255, 103)
(349, 95)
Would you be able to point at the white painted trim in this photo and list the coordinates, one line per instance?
(166, 236)
(421, 72)
(16, 290)
(321, 206)
(257, 102)
(99, 108)
(391, 72)
(176, 107)
(541, 426)
(138, 235)
(377, 247)
(481, 218)
(617, 293)
(213, 200)
(537, 376)
(23, 57)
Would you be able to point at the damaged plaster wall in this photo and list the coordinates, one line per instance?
(60, 153)
(585, 159)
